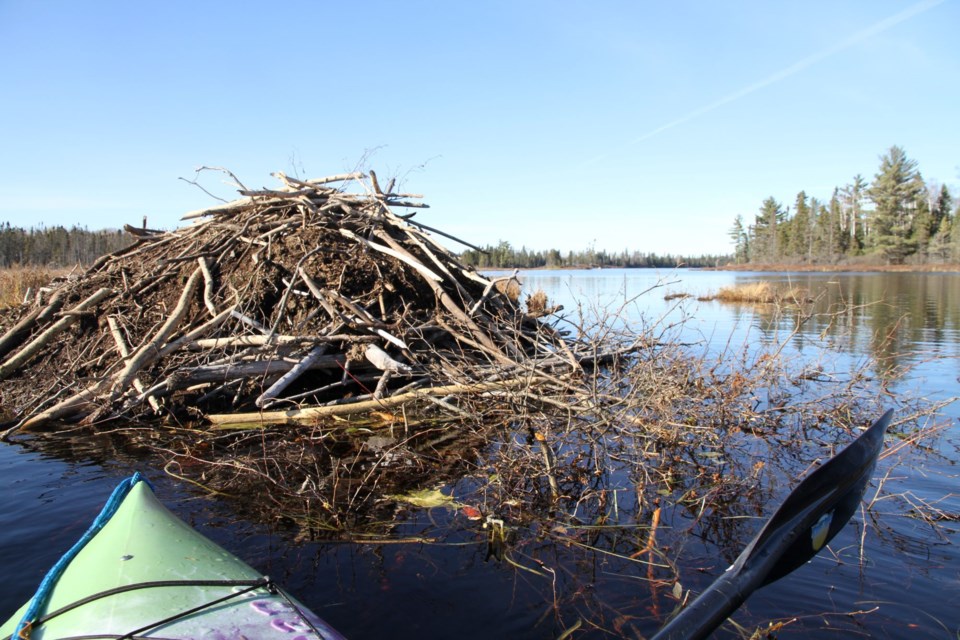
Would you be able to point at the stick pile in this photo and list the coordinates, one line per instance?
(282, 306)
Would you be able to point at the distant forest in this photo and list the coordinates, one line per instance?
(505, 256)
(897, 218)
(56, 246)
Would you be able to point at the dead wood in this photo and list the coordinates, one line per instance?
(293, 294)
(29, 351)
(15, 336)
(312, 414)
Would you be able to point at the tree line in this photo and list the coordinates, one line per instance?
(505, 256)
(56, 246)
(897, 218)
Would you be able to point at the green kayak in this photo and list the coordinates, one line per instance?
(140, 572)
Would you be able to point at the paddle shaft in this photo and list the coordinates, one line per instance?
(707, 612)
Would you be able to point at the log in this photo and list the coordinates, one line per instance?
(340, 177)
(256, 341)
(311, 414)
(207, 286)
(446, 300)
(256, 369)
(125, 353)
(151, 350)
(19, 332)
(65, 408)
(424, 271)
(191, 336)
(32, 348)
(290, 376)
(227, 207)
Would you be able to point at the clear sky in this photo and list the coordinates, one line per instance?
(625, 125)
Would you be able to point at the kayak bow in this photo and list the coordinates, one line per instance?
(141, 572)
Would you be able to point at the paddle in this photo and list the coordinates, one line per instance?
(807, 520)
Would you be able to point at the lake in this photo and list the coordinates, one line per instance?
(449, 584)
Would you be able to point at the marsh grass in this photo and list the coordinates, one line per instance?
(16, 282)
(537, 303)
(760, 293)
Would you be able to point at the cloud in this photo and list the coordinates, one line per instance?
(786, 72)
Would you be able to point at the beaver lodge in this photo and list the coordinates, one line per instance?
(285, 306)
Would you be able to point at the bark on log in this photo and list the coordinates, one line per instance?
(255, 341)
(124, 351)
(290, 376)
(71, 405)
(254, 370)
(151, 350)
(24, 355)
(19, 332)
(309, 415)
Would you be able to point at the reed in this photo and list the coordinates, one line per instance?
(17, 282)
(760, 293)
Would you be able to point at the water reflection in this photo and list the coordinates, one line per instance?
(896, 319)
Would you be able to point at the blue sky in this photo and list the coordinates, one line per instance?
(625, 125)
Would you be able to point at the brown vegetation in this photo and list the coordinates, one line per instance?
(304, 296)
(759, 293)
(19, 284)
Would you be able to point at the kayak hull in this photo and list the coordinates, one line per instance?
(148, 572)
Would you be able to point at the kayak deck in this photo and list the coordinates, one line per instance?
(147, 574)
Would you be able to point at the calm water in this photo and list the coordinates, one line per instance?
(911, 578)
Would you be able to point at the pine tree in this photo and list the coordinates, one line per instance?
(922, 227)
(741, 242)
(800, 229)
(895, 191)
(941, 202)
(854, 222)
(765, 245)
(828, 237)
(941, 245)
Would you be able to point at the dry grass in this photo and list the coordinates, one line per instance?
(760, 293)
(537, 303)
(510, 287)
(16, 282)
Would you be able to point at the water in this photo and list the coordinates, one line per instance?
(909, 586)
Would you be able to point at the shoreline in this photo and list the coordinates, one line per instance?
(768, 268)
(834, 268)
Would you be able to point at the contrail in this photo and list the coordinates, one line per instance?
(793, 69)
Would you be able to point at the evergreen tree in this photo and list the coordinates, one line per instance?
(955, 236)
(800, 227)
(922, 227)
(941, 245)
(941, 202)
(895, 192)
(741, 242)
(828, 236)
(766, 233)
(854, 219)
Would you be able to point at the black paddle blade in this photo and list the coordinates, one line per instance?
(818, 508)
(814, 512)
